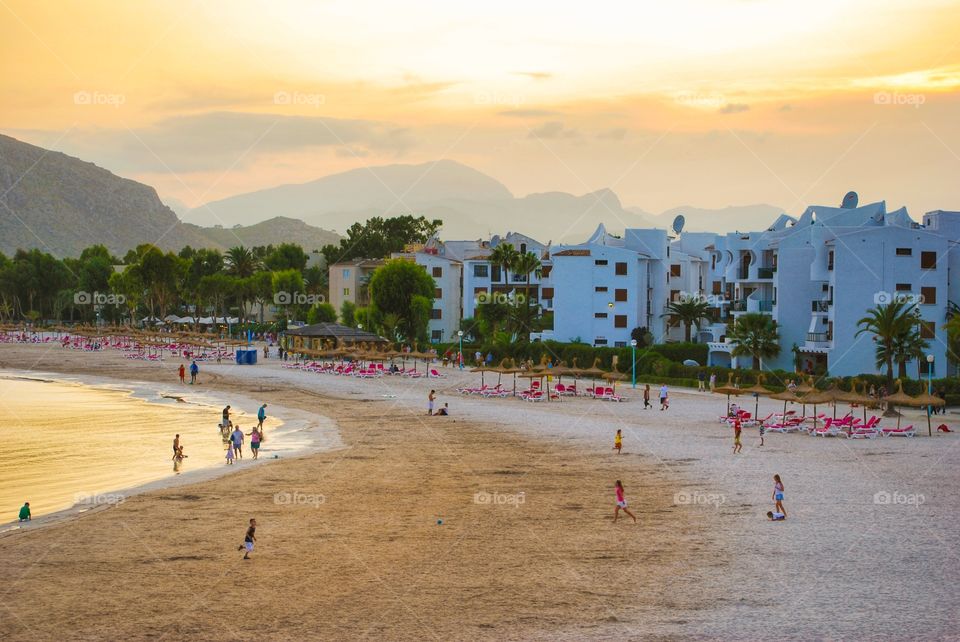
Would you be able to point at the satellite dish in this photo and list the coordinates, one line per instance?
(678, 223)
(850, 201)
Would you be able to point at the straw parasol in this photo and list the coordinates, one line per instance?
(728, 390)
(817, 397)
(899, 398)
(925, 399)
(785, 396)
(854, 397)
(503, 369)
(614, 376)
(758, 390)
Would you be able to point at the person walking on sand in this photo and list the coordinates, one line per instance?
(778, 495)
(25, 512)
(664, 397)
(700, 382)
(737, 429)
(430, 399)
(229, 453)
(237, 438)
(194, 371)
(646, 397)
(713, 381)
(249, 539)
(226, 416)
(618, 441)
(622, 504)
(261, 416)
(176, 445)
(763, 431)
(183, 373)
(254, 442)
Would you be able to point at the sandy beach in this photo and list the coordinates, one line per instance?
(350, 543)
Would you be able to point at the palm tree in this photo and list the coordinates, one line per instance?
(503, 256)
(887, 323)
(689, 312)
(241, 262)
(755, 335)
(907, 346)
(526, 264)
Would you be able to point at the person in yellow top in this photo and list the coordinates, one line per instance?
(618, 441)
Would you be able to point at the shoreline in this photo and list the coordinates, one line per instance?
(297, 435)
(372, 559)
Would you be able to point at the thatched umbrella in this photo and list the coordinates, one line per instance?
(481, 370)
(758, 390)
(925, 399)
(614, 376)
(815, 398)
(531, 375)
(593, 372)
(785, 396)
(728, 390)
(854, 397)
(503, 369)
(899, 398)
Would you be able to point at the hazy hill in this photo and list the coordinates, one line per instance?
(733, 218)
(61, 205)
(470, 203)
(279, 229)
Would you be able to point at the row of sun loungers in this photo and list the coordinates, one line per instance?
(850, 427)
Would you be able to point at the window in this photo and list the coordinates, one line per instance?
(928, 330)
(928, 296)
(599, 342)
(481, 271)
(621, 268)
(928, 260)
(619, 344)
(620, 321)
(675, 270)
(599, 315)
(904, 251)
(436, 336)
(436, 313)
(545, 271)
(495, 273)
(717, 287)
(674, 295)
(904, 287)
(346, 291)
(438, 293)
(478, 291)
(830, 260)
(546, 293)
(523, 248)
(600, 262)
(346, 273)
(600, 288)
(437, 272)
(619, 295)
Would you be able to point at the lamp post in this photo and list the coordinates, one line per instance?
(460, 356)
(929, 380)
(633, 361)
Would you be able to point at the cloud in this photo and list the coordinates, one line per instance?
(733, 108)
(527, 113)
(617, 133)
(787, 107)
(534, 75)
(218, 140)
(553, 130)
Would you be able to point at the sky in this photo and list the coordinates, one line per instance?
(705, 103)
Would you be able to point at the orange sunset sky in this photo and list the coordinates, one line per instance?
(695, 102)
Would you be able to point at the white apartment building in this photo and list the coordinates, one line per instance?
(447, 276)
(483, 281)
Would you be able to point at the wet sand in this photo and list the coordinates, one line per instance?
(349, 541)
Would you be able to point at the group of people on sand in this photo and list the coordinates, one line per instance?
(194, 371)
(431, 400)
(237, 437)
(664, 397)
(778, 513)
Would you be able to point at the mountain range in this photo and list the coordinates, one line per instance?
(61, 204)
(470, 203)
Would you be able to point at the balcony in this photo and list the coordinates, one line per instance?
(764, 306)
(739, 306)
(819, 337)
(820, 306)
(765, 273)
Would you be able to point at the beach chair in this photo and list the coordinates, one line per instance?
(863, 433)
(434, 374)
(906, 431)
(828, 429)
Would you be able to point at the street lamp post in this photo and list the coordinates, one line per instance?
(633, 361)
(460, 356)
(929, 380)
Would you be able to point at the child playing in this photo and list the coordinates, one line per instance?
(763, 430)
(618, 441)
(621, 504)
(230, 453)
(249, 539)
(775, 517)
(737, 445)
(778, 495)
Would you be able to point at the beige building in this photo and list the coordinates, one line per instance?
(350, 280)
